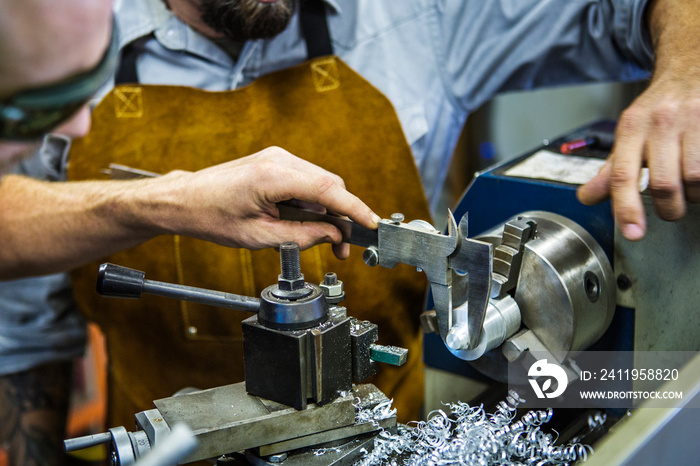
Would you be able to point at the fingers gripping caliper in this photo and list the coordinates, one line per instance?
(443, 258)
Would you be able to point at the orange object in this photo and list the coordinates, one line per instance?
(88, 411)
(577, 144)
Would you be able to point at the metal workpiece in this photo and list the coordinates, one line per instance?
(424, 225)
(115, 281)
(478, 327)
(501, 322)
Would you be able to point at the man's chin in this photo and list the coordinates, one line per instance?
(11, 153)
(243, 20)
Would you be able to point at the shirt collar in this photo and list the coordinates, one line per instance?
(334, 5)
(140, 18)
(144, 17)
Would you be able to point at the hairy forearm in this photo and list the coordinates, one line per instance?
(50, 227)
(674, 26)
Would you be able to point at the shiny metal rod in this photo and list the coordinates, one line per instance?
(80, 443)
(121, 282)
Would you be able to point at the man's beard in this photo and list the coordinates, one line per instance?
(241, 20)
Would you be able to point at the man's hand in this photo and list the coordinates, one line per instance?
(234, 204)
(51, 227)
(661, 128)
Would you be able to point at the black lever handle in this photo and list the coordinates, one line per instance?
(115, 281)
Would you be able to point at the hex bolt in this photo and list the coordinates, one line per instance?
(332, 288)
(330, 279)
(290, 284)
(289, 257)
(397, 218)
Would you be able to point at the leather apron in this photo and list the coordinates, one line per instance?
(320, 110)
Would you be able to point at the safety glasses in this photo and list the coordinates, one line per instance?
(29, 114)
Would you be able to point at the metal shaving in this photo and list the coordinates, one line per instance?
(470, 436)
(381, 411)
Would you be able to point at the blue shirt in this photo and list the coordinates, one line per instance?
(436, 60)
(39, 319)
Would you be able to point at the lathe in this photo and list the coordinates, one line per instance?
(535, 283)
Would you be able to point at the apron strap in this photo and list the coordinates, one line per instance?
(314, 27)
(126, 72)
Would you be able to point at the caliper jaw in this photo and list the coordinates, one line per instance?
(475, 258)
(440, 256)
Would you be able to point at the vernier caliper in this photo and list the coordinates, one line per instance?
(441, 256)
